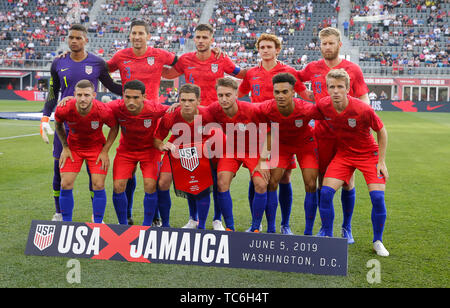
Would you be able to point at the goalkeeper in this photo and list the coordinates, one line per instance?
(65, 73)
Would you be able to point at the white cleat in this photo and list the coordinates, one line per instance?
(192, 224)
(380, 249)
(92, 219)
(217, 225)
(57, 217)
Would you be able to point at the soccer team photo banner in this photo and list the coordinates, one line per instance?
(259, 251)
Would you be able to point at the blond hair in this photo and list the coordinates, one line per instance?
(339, 74)
(269, 37)
(227, 82)
(329, 31)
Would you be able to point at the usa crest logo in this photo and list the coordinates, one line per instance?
(44, 235)
(352, 123)
(147, 123)
(88, 69)
(189, 158)
(214, 67)
(94, 124)
(151, 60)
(299, 123)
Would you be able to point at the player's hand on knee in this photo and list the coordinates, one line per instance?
(65, 154)
(382, 170)
(263, 169)
(45, 128)
(103, 157)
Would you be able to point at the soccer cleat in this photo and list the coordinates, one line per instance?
(322, 233)
(286, 230)
(228, 229)
(57, 217)
(217, 225)
(157, 222)
(192, 224)
(130, 221)
(347, 233)
(250, 229)
(379, 248)
(255, 231)
(92, 219)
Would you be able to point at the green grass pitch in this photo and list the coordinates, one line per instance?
(417, 229)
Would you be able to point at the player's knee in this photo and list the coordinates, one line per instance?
(164, 181)
(310, 186)
(149, 186)
(273, 184)
(223, 184)
(260, 185)
(119, 186)
(286, 178)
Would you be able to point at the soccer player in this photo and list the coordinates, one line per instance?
(315, 72)
(65, 73)
(203, 68)
(85, 142)
(258, 81)
(295, 138)
(144, 63)
(137, 118)
(238, 119)
(351, 121)
(194, 117)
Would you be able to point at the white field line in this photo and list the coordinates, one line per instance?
(20, 136)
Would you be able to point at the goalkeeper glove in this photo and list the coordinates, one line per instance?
(45, 128)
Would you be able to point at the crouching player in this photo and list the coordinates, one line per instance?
(186, 123)
(351, 120)
(86, 142)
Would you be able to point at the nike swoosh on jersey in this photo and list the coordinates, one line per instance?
(64, 69)
(429, 108)
(126, 62)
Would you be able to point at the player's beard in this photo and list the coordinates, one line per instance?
(331, 55)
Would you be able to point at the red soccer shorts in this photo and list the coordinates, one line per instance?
(343, 165)
(90, 156)
(233, 165)
(126, 162)
(326, 148)
(307, 156)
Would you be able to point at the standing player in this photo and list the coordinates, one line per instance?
(85, 116)
(315, 72)
(238, 118)
(203, 68)
(351, 121)
(258, 81)
(144, 63)
(194, 117)
(137, 118)
(295, 138)
(65, 73)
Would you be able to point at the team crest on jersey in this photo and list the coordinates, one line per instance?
(189, 158)
(299, 123)
(43, 237)
(151, 60)
(94, 124)
(147, 123)
(88, 69)
(214, 67)
(352, 123)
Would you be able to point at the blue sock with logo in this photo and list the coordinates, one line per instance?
(120, 205)
(164, 205)
(150, 207)
(99, 205)
(129, 191)
(259, 206)
(310, 206)
(226, 207)
(285, 197)
(66, 204)
(56, 185)
(271, 210)
(203, 209)
(348, 198)
(326, 209)
(378, 214)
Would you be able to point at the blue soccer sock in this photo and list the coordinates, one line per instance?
(129, 192)
(91, 190)
(56, 184)
(285, 197)
(326, 209)
(99, 205)
(164, 205)
(203, 209)
(310, 206)
(217, 212)
(259, 205)
(251, 194)
(192, 209)
(348, 198)
(271, 211)
(120, 205)
(150, 207)
(226, 207)
(66, 204)
(378, 214)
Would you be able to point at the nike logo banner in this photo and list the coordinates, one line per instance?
(410, 106)
(304, 254)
